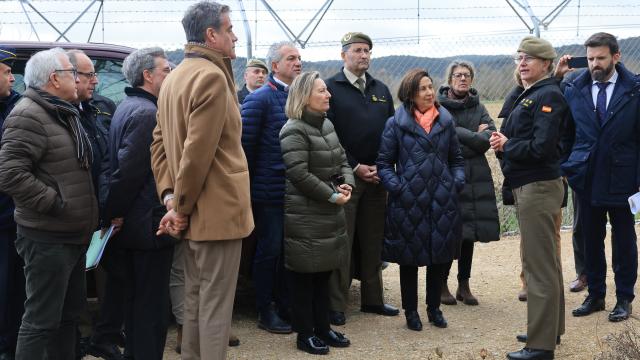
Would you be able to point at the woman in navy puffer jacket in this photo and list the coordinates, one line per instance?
(421, 166)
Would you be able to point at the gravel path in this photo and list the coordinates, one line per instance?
(474, 331)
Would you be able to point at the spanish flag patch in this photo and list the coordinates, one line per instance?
(546, 109)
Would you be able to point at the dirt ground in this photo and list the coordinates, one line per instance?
(488, 329)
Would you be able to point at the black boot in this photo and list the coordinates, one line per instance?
(270, 321)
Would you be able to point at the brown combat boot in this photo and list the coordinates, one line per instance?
(445, 295)
(464, 293)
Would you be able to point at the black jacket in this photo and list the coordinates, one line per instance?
(132, 190)
(480, 221)
(6, 204)
(359, 119)
(534, 128)
(243, 94)
(93, 120)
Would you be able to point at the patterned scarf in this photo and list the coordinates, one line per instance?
(69, 117)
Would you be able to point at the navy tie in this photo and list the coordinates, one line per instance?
(601, 101)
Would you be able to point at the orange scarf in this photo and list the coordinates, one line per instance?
(427, 119)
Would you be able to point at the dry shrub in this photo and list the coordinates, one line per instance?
(622, 346)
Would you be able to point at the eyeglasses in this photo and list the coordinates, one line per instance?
(88, 75)
(73, 72)
(461, 75)
(526, 58)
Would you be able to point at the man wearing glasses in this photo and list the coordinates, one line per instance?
(45, 166)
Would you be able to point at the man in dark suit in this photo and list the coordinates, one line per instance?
(603, 168)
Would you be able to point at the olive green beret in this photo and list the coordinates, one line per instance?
(257, 64)
(537, 47)
(356, 37)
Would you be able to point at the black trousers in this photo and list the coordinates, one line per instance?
(108, 327)
(624, 248)
(56, 297)
(310, 302)
(464, 262)
(147, 301)
(409, 286)
(12, 293)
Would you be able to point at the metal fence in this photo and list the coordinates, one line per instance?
(494, 79)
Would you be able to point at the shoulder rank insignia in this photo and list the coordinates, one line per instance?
(526, 102)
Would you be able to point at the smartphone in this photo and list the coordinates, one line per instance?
(578, 62)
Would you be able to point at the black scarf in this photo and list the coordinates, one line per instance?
(69, 117)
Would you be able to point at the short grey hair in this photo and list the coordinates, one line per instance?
(73, 56)
(201, 16)
(274, 54)
(138, 61)
(299, 94)
(460, 63)
(41, 65)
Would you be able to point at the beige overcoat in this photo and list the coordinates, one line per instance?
(196, 151)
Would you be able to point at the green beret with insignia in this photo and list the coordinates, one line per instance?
(537, 47)
(356, 37)
(257, 64)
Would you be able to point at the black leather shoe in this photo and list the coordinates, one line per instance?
(436, 318)
(312, 345)
(413, 320)
(523, 338)
(337, 318)
(334, 338)
(271, 322)
(384, 309)
(621, 311)
(104, 351)
(590, 305)
(531, 354)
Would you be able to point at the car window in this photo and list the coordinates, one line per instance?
(111, 81)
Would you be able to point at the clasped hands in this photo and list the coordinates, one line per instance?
(497, 141)
(172, 223)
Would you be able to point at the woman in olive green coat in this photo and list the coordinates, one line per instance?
(474, 126)
(318, 182)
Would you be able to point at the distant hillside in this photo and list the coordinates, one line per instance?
(494, 76)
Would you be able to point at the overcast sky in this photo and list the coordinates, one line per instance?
(424, 28)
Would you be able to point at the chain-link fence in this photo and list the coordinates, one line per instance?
(494, 79)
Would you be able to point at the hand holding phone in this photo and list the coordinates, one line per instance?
(578, 62)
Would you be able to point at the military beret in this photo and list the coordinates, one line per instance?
(356, 37)
(257, 64)
(537, 47)
(7, 55)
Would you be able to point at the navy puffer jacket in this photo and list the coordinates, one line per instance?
(423, 174)
(262, 119)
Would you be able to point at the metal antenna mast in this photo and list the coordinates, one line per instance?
(62, 34)
(536, 22)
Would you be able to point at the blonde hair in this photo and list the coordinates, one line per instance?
(299, 94)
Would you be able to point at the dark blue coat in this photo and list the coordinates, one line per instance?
(262, 118)
(605, 160)
(6, 204)
(423, 174)
(132, 188)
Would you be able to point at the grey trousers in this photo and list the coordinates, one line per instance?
(176, 282)
(56, 296)
(538, 207)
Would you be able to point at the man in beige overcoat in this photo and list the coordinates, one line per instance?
(202, 177)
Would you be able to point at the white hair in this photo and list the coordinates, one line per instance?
(41, 65)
